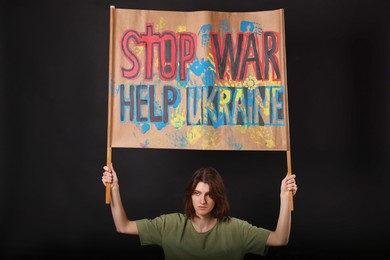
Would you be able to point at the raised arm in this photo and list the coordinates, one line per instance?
(281, 235)
(122, 223)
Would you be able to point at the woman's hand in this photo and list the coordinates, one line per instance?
(110, 177)
(288, 184)
(281, 235)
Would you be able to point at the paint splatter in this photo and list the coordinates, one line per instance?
(145, 144)
(138, 50)
(231, 141)
(262, 135)
(205, 69)
(139, 136)
(177, 139)
(224, 27)
(178, 117)
(181, 28)
(145, 128)
(160, 125)
(204, 32)
(156, 140)
(194, 133)
(254, 27)
(211, 138)
(160, 25)
(265, 108)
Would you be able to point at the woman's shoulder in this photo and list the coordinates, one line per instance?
(233, 221)
(174, 217)
(168, 220)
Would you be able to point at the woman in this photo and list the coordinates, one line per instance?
(205, 230)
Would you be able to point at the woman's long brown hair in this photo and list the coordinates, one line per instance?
(217, 192)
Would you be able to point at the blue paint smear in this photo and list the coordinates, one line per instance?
(197, 67)
(205, 33)
(145, 128)
(209, 78)
(205, 67)
(246, 26)
(236, 146)
(160, 125)
(253, 27)
(181, 142)
(225, 27)
(182, 83)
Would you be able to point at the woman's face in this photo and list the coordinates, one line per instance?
(201, 200)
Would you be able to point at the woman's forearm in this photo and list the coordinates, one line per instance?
(284, 221)
(122, 223)
(281, 235)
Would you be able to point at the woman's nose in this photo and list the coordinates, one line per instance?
(202, 199)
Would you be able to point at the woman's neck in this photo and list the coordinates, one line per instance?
(203, 224)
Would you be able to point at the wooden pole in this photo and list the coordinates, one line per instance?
(288, 152)
(108, 187)
(109, 126)
(289, 171)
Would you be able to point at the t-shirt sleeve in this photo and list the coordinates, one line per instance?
(254, 238)
(150, 230)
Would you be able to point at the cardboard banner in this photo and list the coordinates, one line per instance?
(198, 80)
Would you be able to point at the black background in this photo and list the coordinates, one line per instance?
(53, 112)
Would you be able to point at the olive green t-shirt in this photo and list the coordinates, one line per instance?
(230, 239)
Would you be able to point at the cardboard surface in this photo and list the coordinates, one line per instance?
(198, 80)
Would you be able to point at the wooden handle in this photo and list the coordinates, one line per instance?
(108, 193)
(291, 201)
(109, 126)
(289, 171)
(108, 185)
